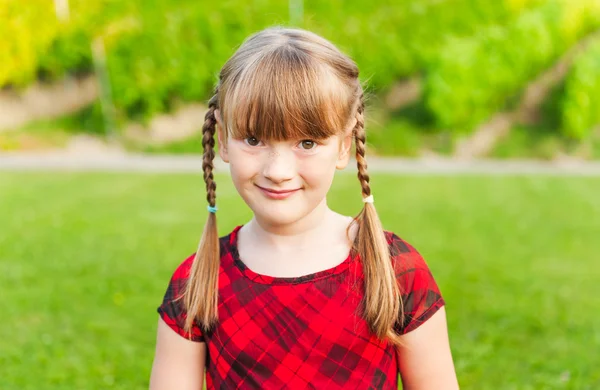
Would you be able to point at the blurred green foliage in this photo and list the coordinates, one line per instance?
(581, 105)
(391, 40)
(21, 43)
(162, 51)
(476, 76)
(475, 56)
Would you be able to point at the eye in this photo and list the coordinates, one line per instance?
(307, 144)
(252, 141)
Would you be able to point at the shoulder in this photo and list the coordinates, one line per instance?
(182, 271)
(180, 276)
(421, 296)
(404, 256)
(412, 271)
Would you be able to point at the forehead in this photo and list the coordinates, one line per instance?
(286, 100)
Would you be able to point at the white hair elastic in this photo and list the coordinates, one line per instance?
(369, 199)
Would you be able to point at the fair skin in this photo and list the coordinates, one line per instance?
(301, 228)
(285, 184)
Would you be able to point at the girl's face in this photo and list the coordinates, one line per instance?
(284, 181)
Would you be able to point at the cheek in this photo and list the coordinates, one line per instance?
(241, 173)
(319, 169)
(241, 166)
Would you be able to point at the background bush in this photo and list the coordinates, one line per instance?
(474, 56)
(476, 76)
(21, 43)
(161, 51)
(581, 104)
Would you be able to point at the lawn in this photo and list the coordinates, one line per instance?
(85, 259)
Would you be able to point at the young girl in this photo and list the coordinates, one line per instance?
(300, 296)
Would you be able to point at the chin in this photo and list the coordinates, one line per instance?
(278, 217)
(280, 212)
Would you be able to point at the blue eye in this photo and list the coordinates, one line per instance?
(307, 144)
(252, 141)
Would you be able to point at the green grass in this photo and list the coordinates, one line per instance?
(86, 258)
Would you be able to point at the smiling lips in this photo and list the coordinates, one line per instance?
(277, 194)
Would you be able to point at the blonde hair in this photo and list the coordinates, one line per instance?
(290, 83)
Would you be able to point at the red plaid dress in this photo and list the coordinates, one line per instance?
(302, 332)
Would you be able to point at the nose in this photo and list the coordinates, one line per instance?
(279, 165)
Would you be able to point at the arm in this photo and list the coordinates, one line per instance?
(424, 359)
(178, 362)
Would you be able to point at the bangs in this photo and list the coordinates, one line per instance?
(285, 94)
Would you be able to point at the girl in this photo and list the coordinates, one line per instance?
(300, 296)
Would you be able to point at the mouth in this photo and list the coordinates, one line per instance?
(277, 194)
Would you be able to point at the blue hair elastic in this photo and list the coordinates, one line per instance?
(212, 209)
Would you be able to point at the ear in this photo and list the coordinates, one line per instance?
(221, 136)
(345, 147)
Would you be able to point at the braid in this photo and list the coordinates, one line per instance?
(360, 139)
(382, 301)
(201, 290)
(208, 143)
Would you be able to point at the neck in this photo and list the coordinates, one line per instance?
(307, 230)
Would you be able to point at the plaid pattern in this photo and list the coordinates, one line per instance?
(302, 332)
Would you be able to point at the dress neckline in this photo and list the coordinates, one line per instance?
(275, 280)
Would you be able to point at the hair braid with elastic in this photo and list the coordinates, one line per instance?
(201, 290)
(382, 302)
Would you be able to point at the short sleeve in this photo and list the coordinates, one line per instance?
(172, 310)
(421, 296)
